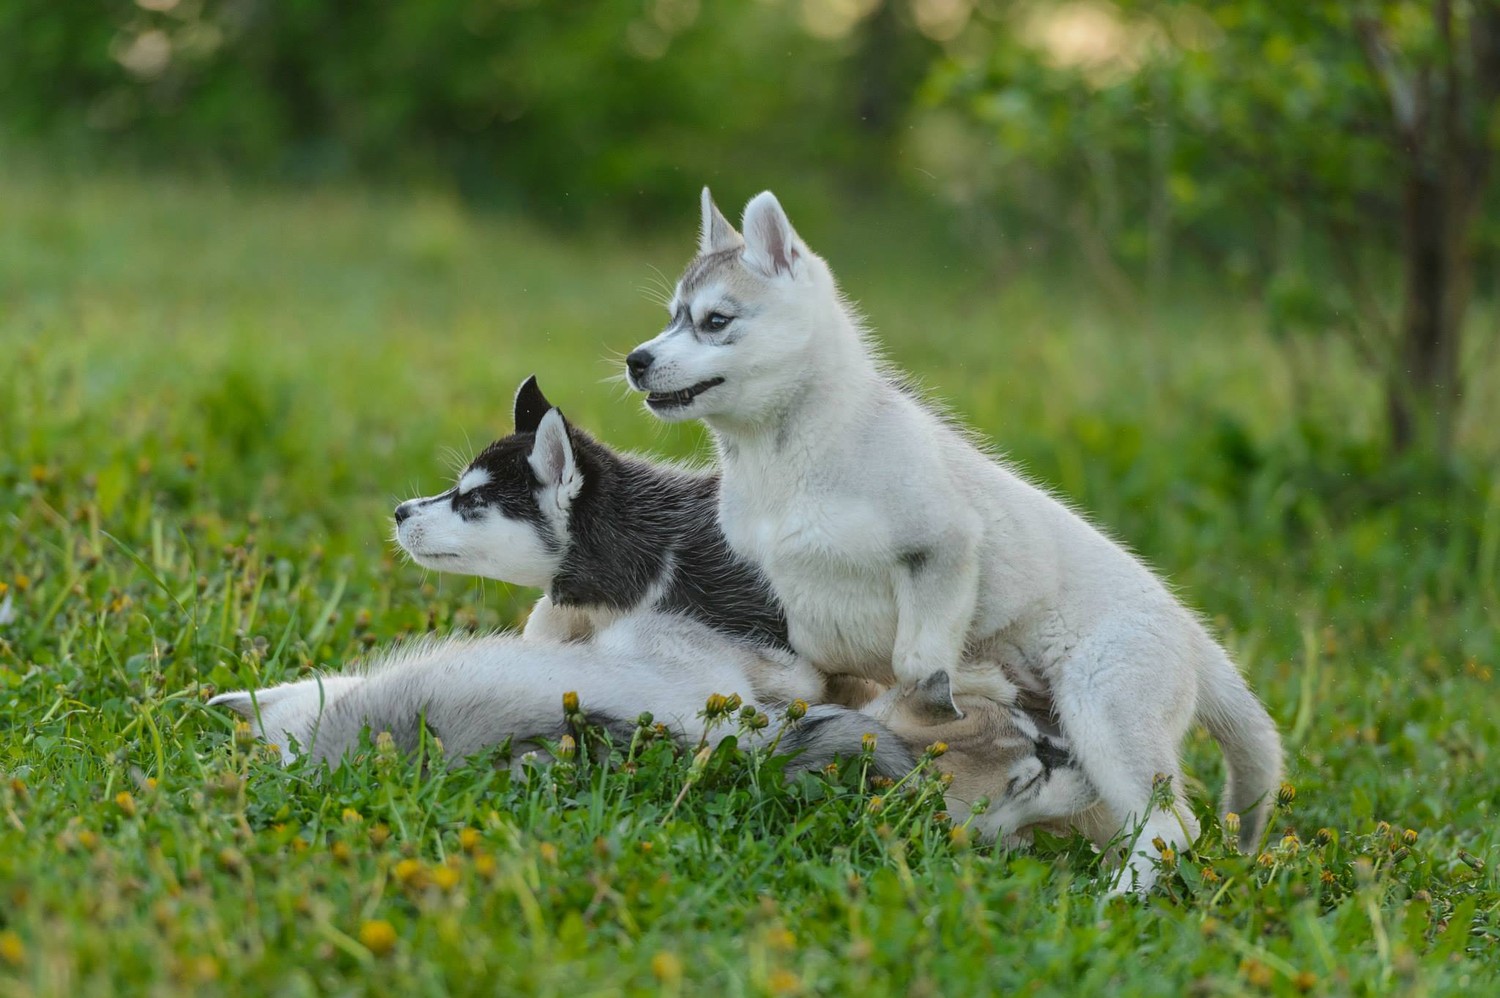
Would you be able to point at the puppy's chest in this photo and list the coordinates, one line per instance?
(831, 564)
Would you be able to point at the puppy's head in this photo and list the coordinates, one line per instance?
(994, 751)
(507, 518)
(744, 317)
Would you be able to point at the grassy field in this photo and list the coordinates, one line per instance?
(210, 399)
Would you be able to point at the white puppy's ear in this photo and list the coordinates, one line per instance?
(715, 233)
(551, 457)
(771, 245)
(933, 698)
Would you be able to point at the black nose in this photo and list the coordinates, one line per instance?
(403, 511)
(639, 362)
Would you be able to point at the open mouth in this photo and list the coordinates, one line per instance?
(681, 397)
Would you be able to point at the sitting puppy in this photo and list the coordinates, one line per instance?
(603, 534)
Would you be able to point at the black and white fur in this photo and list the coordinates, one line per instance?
(603, 533)
(898, 548)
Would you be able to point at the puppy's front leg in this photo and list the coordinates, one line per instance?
(550, 622)
(936, 591)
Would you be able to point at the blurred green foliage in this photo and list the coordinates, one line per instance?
(541, 104)
(1331, 160)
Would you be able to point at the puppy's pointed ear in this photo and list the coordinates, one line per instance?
(715, 232)
(238, 701)
(771, 244)
(933, 698)
(552, 456)
(531, 405)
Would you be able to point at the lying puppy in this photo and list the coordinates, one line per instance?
(475, 694)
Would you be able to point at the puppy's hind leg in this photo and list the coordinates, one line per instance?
(1125, 704)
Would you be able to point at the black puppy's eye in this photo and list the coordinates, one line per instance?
(716, 321)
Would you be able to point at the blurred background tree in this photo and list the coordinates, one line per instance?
(1332, 158)
(1325, 153)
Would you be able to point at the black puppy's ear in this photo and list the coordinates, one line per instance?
(531, 406)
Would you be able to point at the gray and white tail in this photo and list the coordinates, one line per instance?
(1239, 722)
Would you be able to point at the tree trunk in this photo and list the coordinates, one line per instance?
(1424, 394)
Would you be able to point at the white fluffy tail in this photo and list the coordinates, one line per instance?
(1238, 721)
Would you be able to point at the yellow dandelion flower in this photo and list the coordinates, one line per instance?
(666, 967)
(125, 803)
(378, 936)
(784, 982)
(12, 950)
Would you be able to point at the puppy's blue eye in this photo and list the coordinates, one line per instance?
(716, 321)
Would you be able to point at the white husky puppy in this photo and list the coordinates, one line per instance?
(898, 548)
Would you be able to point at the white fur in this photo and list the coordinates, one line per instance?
(472, 479)
(898, 547)
(479, 691)
(494, 546)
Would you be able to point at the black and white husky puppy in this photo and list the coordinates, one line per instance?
(602, 533)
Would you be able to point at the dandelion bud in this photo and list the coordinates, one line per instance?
(716, 705)
(1231, 824)
(757, 722)
(867, 743)
(1383, 828)
(1290, 844)
(645, 720)
(796, 710)
(385, 745)
(936, 750)
(567, 747)
(747, 712)
(876, 805)
(1409, 836)
(125, 803)
(1159, 843)
(700, 761)
(980, 805)
(732, 703)
(570, 702)
(1285, 795)
(1324, 836)
(1169, 859)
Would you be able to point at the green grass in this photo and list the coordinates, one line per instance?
(210, 398)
